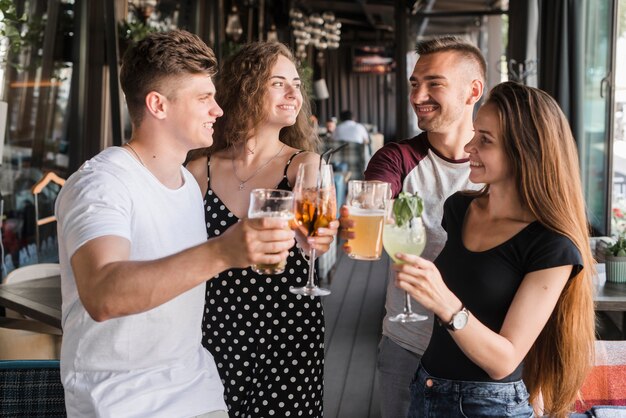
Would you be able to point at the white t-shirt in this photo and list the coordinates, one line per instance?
(350, 131)
(150, 364)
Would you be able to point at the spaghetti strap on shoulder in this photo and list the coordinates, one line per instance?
(289, 162)
(208, 170)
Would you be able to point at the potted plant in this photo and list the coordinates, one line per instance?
(615, 255)
(616, 261)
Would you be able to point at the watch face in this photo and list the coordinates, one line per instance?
(460, 320)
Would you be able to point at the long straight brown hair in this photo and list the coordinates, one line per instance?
(541, 149)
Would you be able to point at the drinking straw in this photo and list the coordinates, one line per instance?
(330, 153)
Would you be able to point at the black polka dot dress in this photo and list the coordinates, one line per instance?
(268, 344)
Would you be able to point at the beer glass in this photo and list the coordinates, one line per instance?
(270, 203)
(366, 202)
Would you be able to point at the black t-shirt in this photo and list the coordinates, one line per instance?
(486, 283)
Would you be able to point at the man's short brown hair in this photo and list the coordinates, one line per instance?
(160, 56)
(456, 44)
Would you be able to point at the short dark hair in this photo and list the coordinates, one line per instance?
(457, 44)
(346, 115)
(149, 64)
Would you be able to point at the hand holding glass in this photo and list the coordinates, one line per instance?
(270, 203)
(315, 207)
(366, 202)
(409, 238)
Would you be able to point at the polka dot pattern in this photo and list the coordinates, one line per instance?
(268, 344)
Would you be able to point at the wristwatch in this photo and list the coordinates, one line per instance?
(459, 320)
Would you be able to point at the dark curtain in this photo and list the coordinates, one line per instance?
(561, 57)
(522, 45)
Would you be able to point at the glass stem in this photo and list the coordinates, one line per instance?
(407, 303)
(311, 282)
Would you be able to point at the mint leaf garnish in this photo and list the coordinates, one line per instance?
(406, 207)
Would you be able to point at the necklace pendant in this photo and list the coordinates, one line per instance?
(241, 186)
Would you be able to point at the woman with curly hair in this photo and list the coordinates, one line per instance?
(511, 288)
(268, 343)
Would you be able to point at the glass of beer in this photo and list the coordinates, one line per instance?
(366, 202)
(270, 203)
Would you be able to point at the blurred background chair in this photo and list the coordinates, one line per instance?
(24, 338)
(31, 272)
(34, 271)
(606, 384)
(350, 157)
(31, 388)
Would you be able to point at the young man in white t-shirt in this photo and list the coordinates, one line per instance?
(134, 252)
(446, 83)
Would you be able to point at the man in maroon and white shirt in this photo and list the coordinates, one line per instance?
(446, 83)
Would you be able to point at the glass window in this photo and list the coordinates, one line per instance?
(594, 146)
(618, 224)
(35, 73)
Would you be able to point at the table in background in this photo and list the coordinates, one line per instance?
(610, 296)
(38, 299)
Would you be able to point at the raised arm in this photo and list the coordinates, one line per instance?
(110, 286)
(498, 354)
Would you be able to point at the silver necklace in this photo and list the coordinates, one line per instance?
(249, 150)
(242, 183)
(135, 152)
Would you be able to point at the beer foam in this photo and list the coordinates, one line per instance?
(366, 212)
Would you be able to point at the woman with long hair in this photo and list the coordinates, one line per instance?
(511, 290)
(268, 343)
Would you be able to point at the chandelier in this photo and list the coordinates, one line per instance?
(234, 29)
(321, 31)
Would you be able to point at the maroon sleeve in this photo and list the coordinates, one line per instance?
(395, 160)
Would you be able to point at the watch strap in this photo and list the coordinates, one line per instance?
(450, 325)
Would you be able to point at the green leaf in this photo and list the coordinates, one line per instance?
(406, 207)
(619, 248)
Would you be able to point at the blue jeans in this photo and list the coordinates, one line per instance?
(434, 397)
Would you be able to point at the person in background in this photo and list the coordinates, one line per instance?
(349, 130)
(512, 287)
(314, 123)
(331, 125)
(446, 83)
(268, 342)
(357, 154)
(133, 250)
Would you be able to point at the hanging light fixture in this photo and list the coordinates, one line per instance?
(322, 31)
(272, 34)
(234, 30)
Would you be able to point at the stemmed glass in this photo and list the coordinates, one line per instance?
(315, 207)
(407, 236)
